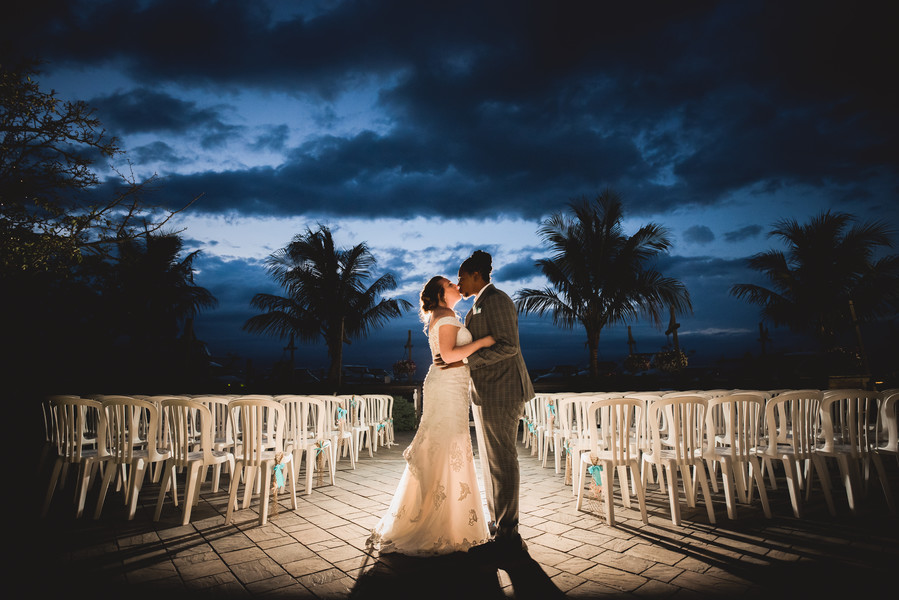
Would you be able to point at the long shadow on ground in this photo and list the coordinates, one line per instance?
(454, 576)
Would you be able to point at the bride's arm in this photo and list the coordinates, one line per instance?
(450, 352)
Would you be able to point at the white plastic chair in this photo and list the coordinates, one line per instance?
(615, 448)
(260, 452)
(358, 419)
(792, 424)
(340, 427)
(888, 428)
(69, 417)
(222, 431)
(848, 427)
(189, 426)
(735, 447)
(681, 450)
(130, 446)
(552, 431)
(305, 435)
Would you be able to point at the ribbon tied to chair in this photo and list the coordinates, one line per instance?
(279, 475)
(596, 472)
(342, 413)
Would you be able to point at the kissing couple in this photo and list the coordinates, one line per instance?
(437, 507)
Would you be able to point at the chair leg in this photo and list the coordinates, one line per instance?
(881, 473)
(755, 473)
(706, 496)
(232, 492)
(672, 493)
(167, 475)
(190, 490)
(266, 478)
(310, 465)
(51, 486)
(793, 486)
(607, 482)
(729, 497)
(623, 486)
(817, 463)
(104, 487)
(639, 491)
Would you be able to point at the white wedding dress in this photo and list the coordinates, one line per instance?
(437, 507)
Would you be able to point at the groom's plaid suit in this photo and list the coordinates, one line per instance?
(500, 386)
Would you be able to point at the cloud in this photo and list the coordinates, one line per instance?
(155, 152)
(699, 234)
(744, 233)
(519, 117)
(142, 110)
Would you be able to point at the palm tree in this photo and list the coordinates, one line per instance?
(829, 263)
(598, 276)
(149, 295)
(326, 295)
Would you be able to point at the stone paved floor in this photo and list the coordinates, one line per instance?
(318, 551)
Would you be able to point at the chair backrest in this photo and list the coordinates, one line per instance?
(742, 416)
(793, 419)
(132, 425)
(222, 423)
(684, 418)
(261, 423)
(615, 427)
(188, 423)
(305, 421)
(70, 417)
(887, 427)
(849, 418)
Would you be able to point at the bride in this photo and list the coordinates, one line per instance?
(437, 506)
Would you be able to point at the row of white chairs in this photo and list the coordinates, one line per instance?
(122, 437)
(697, 433)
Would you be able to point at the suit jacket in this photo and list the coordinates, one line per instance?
(498, 373)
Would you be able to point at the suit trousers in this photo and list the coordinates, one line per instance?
(496, 427)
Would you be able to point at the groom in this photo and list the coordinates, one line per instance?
(500, 386)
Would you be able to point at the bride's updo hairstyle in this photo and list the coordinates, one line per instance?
(432, 294)
(478, 262)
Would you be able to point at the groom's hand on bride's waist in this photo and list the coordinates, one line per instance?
(444, 365)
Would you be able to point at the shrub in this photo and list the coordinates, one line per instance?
(403, 414)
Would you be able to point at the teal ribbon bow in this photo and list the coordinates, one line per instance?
(596, 472)
(279, 475)
(341, 413)
(552, 409)
(531, 427)
(381, 426)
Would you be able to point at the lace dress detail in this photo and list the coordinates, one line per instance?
(437, 507)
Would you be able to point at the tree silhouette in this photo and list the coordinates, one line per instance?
(327, 297)
(828, 262)
(599, 276)
(149, 294)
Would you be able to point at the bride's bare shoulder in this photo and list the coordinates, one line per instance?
(439, 313)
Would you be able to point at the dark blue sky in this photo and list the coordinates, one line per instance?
(429, 131)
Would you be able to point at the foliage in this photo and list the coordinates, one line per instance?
(50, 214)
(670, 361)
(92, 285)
(404, 368)
(828, 262)
(598, 275)
(327, 297)
(635, 363)
(403, 414)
